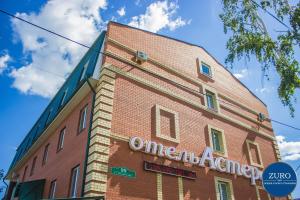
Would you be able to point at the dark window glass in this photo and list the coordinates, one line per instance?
(36, 133)
(74, 181)
(223, 188)
(82, 119)
(83, 73)
(48, 117)
(205, 69)
(61, 139)
(211, 100)
(33, 166)
(63, 99)
(52, 190)
(45, 156)
(24, 174)
(216, 138)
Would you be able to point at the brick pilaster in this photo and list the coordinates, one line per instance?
(98, 156)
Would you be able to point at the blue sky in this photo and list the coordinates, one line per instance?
(33, 64)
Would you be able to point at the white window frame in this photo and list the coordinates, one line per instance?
(229, 182)
(207, 89)
(61, 139)
(52, 191)
(83, 112)
(63, 98)
(84, 70)
(210, 75)
(73, 191)
(223, 153)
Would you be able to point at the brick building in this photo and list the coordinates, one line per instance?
(152, 118)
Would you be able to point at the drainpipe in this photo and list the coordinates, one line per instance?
(89, 137)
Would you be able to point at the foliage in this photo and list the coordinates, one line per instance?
(249, 36)
(1, 177)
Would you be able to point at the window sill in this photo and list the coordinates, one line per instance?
(257, 165)
(59, 150)
(206, 77)
(212, 109)
(168, 138)
(220, 153)
(79, 132)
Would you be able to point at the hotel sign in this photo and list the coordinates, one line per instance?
(148, 166)
(219, 163)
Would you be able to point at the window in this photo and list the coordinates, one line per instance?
(61, 139)
(24, 173)
(63, 98)
(206, 70)
(211, 101)
(52, 190)
(83, 72)
(36, 133)
(223, 189)
(45, 156)
(167, 124)
(33, 165)
(217, 141)
(48, 117)
(254, 153)
(74, 181)
(82, 119)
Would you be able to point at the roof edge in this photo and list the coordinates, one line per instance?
(80, 87)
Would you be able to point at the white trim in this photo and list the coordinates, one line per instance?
(206, 89)
(61, 138)
(219, 179)
(84, 117)
(76, 180)
(52, 193)
(201, 63)
(63, 98)
(224, 145)
(158, 133)
(261, 165)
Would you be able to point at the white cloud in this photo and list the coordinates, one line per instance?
(265, 90)
(295, 156)
(241, 74)
(288, 150)
(3, 62)
(76, 19)
(121, 11)
(158, 15)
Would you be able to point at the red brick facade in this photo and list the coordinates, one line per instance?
(133, 115)
(127, 97)
(60, 163)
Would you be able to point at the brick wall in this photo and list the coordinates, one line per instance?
(133, 115)
(59, 164)
(181, 56)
